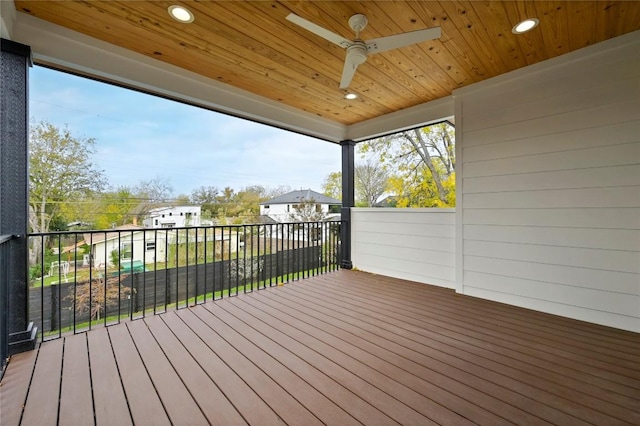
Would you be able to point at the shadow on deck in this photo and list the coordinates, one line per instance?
(342, 348)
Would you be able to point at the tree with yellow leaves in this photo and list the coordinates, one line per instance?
(422, 165)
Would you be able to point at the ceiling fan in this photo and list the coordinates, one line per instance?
(358, 49)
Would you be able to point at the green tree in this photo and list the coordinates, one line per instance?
(371, 181)
(152, 193)
(181, 200)
(332, 186)
(277, 191)
(247, 203)
(422, 163)
(307, 211)
(206, 197)
(60, 170)
(225, 201)
(116, 207)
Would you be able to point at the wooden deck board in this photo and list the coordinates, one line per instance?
(321, 406)
(180, 405)
(212, 402)
(14, 387)
(354, 362)
(109, 400)
(566, 399)
(331, 389)
(41, 407)
(571, 401)
(441, 321)
(142, 397)
(470, 403)
(576, 339)
(76, 402)
(550, 407)
(431, 354)
(278, 399)
(341, 348)
(249, 404)
(337, 365)
(560, 371)
(609, 359)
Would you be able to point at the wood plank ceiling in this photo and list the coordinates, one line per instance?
(250, 45)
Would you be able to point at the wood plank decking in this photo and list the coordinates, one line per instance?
(342, 348)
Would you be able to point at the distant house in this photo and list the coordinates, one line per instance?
(173, 217)
(284, 207)
(390, 201)
(136, 245)
(132, 242)
(78, 225)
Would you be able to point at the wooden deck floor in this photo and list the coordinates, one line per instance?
(343, 348)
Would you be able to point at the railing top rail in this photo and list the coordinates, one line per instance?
(179, 228)
(5, 238)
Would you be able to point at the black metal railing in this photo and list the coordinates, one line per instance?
(84, 279)
(5, 258)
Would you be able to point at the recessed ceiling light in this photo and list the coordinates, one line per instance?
(351, 96)
(526, 25)
(181, 14)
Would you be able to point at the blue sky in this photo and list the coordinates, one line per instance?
(140, 137)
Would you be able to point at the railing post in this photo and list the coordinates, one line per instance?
(15, 60)
(348, 201)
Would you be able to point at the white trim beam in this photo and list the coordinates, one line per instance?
(408, 118)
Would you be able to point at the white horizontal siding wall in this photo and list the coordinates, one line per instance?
(411, 244)
(549, 186)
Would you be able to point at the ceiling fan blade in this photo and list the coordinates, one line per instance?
(347, 73)
(319, 31)
(400, 40)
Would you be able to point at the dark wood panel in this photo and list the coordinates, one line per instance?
(451, 348)
(286, 406)
(276, 367)
(557, 395)
(342, 348)
(213, 403)
(76, 401)
(41, 407)
(142, 396)
(252, 408)
(14, 387)
(109, 399)
(433, 356)
(175, 397)
(469, 403)
(383, 393)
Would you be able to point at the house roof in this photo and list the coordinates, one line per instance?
(165, 208)
(98, 237)
(266, 220)
(246, 59)
(388, 201)
(300, 196)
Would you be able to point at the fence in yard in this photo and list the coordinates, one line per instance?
(80, 280)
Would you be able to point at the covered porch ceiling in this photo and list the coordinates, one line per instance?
(246, 59)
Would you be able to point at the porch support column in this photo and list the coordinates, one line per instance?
(348, 201)
(15, 60)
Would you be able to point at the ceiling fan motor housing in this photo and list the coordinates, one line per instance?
(357, 52)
